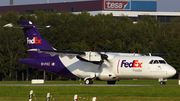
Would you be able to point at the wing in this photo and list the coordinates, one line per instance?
(69, 54)
(61, 53)
(156, 54)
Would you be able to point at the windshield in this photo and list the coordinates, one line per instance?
(162, 62)
(157, 62)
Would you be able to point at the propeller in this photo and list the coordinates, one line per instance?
(103, 57)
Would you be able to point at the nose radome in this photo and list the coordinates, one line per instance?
(172, 71)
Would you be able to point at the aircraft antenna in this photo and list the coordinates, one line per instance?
(11, 2)
(149, 54)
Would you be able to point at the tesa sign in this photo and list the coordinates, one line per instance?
(116, 5)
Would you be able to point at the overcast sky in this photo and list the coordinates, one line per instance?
(162, 5)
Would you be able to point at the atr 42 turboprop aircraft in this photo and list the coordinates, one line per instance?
(107, 66)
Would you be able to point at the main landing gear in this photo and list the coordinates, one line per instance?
(111, 82)
(88, 81)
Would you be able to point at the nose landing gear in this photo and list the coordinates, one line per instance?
(162, 81)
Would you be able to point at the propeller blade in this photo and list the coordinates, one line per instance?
(82, 59)
(104, 56)
(107, 45)
(100, 65)
(99, 68)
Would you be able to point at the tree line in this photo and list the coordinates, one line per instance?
(82, 32)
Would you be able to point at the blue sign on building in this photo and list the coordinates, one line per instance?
(143, 5)
(135, 5)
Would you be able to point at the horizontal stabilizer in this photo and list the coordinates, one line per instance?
(10, 25)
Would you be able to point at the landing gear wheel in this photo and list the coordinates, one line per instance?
(162, 83)
(111, 82)
(88, 81)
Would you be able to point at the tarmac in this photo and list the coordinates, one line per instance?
(81, 85)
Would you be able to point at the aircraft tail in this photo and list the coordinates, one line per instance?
(33, 38)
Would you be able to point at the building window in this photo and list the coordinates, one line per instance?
(72, 9)
(32, 11)
(162, 18)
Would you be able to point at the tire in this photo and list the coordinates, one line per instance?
(111, 82)
(88, 81)
(162, 83)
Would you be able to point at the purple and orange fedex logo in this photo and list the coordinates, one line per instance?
(34, 40)
(133, 64)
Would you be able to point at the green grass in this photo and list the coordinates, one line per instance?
(103, 93)
(17, 93)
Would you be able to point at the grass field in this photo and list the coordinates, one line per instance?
(171, 92)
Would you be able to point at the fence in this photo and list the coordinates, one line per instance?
(47, 99)
(49, 95)
(76, 98)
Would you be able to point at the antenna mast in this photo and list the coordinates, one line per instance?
(11, 2)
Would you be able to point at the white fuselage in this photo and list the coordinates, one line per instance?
(121, 66)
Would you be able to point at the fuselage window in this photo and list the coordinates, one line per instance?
(162, 62)
(151, 62)
(156, 61)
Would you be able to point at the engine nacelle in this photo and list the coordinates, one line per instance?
(107, 77)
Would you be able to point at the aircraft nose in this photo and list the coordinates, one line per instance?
(172, 71)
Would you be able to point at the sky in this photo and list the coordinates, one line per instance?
(168, 5)
(162, 5)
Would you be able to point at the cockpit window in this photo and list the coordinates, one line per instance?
(151, 62)
(156, 61)
(162, 62)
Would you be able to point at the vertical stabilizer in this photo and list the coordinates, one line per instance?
(34, 40)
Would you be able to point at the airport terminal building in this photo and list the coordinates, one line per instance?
(134, 9)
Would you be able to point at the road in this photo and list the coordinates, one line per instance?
(81, 85)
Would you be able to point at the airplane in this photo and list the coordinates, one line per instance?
(106, 66)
